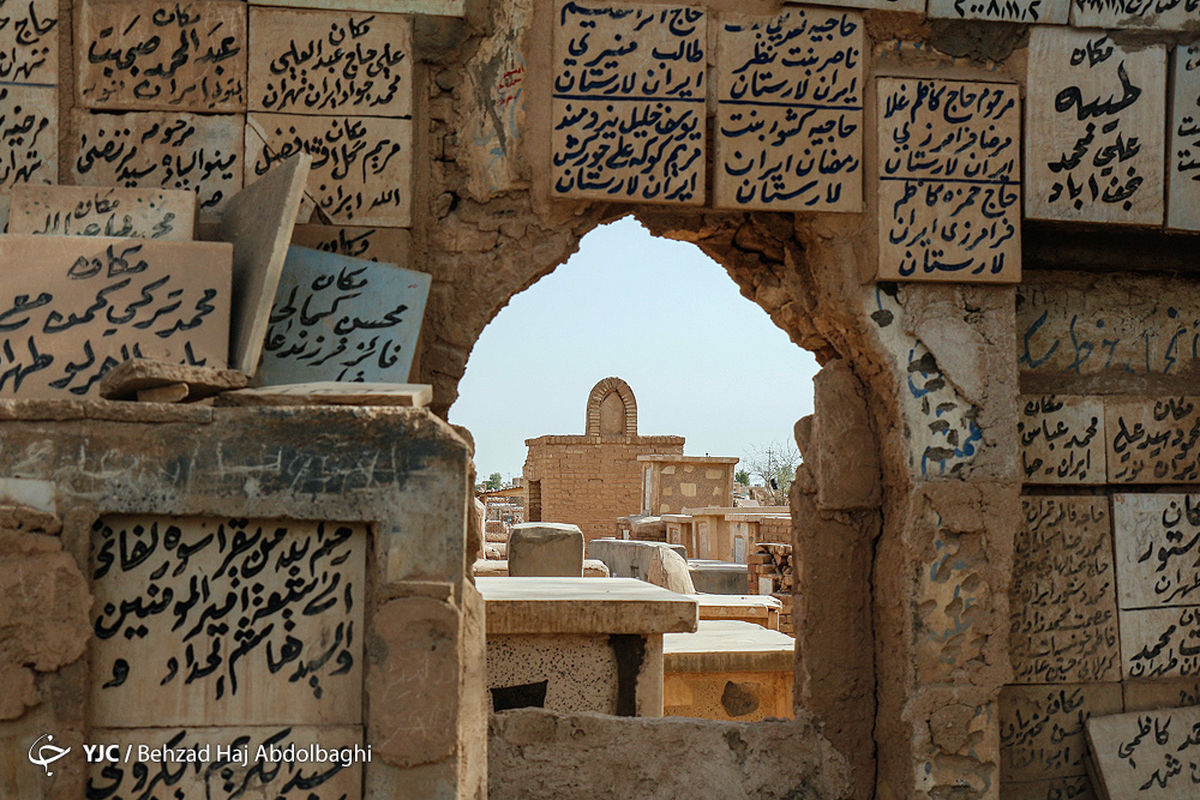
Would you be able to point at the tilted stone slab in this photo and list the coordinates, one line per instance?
(1147, 755)
(127, 379)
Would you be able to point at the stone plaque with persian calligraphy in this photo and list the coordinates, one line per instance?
(163, 150)
(161, 55)
(1160, 642)
(1094, 143)
(28, 135)
(453, 8)
(1153, 440)
(628, 108)
(318, 62)
(1148, 755)
(1158, 549)
(1169, 15)
(94, 211)
(1028, 11)
(1062, 439)
(949, 181)
(1042, 728)
(1150, 695)
(389, 245)
(29, 34)
(917, 6)
(342, 319)
(362, 166)
(790, 111)
(201, 621)
(74, 307)
(1062, 599)
(1183, 153)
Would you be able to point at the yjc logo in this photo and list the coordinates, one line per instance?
(47, 753)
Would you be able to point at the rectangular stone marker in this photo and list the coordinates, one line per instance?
(160, 55)
(628, 107)
(342, 319)
(917, 6)
(362, 166)
(1042, 728)
(1161, 642)
(1158, 549)
(1151, 695)
(1167, 15)
(167, 214)
(1094, 143)
(949, 181)
(28, 135)
(29, 35)
(203, 620)
(1153, 440)
(229, 762)
(1062, 439)
(1183, 153)
(318, 62)
(161, 150)
(1062, 599)
(1028, 11)
(451, 8)
(1148, 755)
(790, 111)
(74, 307)
(258, 223)
(389, 245)
(331, 393)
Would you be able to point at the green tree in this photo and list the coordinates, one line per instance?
(494, 481)
(742, 477)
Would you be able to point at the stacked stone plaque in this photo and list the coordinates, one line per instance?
(1147, 755)
(1153, 440)
(1183, 154)
(949, 181)
(339, 87)
(1026, 11)
(87, 211)
(1094, 144)
(1042, 729)
(1062, 439)
(1063, 594)
(74, 307)
(628, 109)
(790, 111)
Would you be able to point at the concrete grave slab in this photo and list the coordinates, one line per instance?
(583, 605)
(545, 549)
(331, 393)
(729, 646)
(166, 214)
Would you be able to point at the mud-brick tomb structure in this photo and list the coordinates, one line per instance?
(981, 218)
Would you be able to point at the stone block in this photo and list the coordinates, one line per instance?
(1094, 143)
(1152, 440)
(1159, 643)
(156, 55)
(1146, 754)
(29, 135)
(331, 393)
(1053, 12)
(29, 42)
(621, 132)
(545, 549)
(1155, 537)
(128, 379)
(342, 319)
(1152, 695)
(165, 214)
(1183, 151)
(1159, 16)
(389, 245)
(97, 302)
(330, 62)
(950, 202)
(846, 458)
(768, 101)
(669, 570)
(1062, 439)
(1042, 728)
(453, 8)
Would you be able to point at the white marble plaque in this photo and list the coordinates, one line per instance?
(1062, 439)
(1158, 549)
(1160, 643)
(1094, 143)
(790, 111)
(1062, 599)
(200, 621)
(1183, 152)
(318, 62)
(29, 34)
(1153, 440)
(342, 319)
(628, 108)
(1042, 728)
(28, 134)
(1148, 755)
(97, 211)
(1028, 11)
(164, 150)
(949, 181)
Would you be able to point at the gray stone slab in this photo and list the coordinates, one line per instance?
(258, 222)
(545, 549)
(1160, 643)
(1157, 538)
(628, 558)
(1147, 755)
(327, 393)
(126, 380)
(583, 605)
(718, 577)
(342, 319)
(166, 214)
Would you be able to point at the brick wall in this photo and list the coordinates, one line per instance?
(773, 562)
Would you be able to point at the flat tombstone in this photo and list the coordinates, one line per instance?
(75, 307)
(258, 223)
(1126, 14)
(166, 214)
(1052, 12)
(28, 135)
(789, 136)
(158, 55)
(622, 130)
(450, 8)
(170, 662)
(949, 181)
(1159, 643)
(1157, 538)
(1042, 728)
(1183, 153)
(318, 62)
(1062, 599)
(332, 393)
(1062, 439)
(1147, 755)
(160, 150)
(1153, 440)
(545, 550)
(389, 245)
(362, 166)
(1094, 144)
(29, 34)
(342, 319)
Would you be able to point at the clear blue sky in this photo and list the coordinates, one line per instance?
(703, 361)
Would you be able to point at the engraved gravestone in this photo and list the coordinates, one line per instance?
(28, 134)
(168, 214)
(1183, 152)
(1147, 755)
(1042, 728)
(1027, 11)
(1062, 439)
(29, 36)
(1153, 440)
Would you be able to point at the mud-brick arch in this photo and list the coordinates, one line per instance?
(618, 391)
